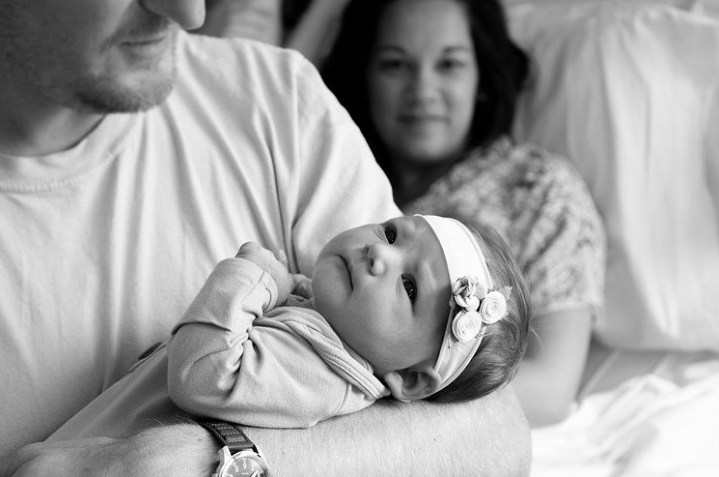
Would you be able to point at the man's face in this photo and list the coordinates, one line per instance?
(100, 56)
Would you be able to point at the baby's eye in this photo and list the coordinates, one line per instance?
(390, 233)
(410, 288)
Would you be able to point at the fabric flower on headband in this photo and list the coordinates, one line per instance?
(477, 307)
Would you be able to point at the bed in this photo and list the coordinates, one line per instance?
(629, 91)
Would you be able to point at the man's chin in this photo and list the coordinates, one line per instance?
(134, 73)
(107, 97)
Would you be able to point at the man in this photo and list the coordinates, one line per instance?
(111, 222)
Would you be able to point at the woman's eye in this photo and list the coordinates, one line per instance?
(450, 64)
(390, 234)
(390, 64)
(410, 288)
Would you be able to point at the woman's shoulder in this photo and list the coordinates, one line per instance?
(557, 224)
(534, 180)
(528, 166)
(531, 159)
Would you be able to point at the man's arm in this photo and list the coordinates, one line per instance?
(485, 437)
(489, 436)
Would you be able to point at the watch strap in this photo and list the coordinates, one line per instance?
(228, 434)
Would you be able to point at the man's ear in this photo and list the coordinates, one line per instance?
(413, 383)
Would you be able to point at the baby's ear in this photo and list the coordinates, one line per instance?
(412, 384)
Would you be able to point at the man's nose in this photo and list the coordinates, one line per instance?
(189, 14)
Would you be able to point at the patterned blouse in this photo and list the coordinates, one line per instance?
(541, 206)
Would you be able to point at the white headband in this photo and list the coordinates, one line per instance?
(474, 303)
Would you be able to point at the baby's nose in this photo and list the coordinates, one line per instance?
(379, 257)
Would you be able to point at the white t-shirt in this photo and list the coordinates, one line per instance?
(103, 246)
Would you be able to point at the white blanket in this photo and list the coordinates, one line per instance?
(664, 423)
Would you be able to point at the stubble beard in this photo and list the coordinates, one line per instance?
(23, 62)
(105, 96)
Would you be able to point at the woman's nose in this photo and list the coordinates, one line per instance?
(424, 83)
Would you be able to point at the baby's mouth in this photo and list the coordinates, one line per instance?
(348, 265)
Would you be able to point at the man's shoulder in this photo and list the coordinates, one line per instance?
(235, 74)
(237, 59)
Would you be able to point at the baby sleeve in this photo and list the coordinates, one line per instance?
(205, 351)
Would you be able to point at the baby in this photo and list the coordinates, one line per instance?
(417, 308)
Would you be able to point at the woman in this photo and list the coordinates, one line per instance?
(433, 85)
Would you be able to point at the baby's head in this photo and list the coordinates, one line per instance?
(490, 358)
(422, 299)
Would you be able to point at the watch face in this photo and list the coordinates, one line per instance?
(245, 465)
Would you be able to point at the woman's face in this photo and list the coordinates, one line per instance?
(423, 80)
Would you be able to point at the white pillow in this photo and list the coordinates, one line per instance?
(628, 90)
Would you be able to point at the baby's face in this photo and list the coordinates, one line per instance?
(385, 290)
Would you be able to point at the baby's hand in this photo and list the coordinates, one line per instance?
(266, 260)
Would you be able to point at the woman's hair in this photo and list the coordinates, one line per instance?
(496, 361)
(503, 68)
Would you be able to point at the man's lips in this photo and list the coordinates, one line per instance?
(146, 41)
(150, 44)
(148, 34)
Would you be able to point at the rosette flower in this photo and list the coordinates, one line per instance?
(467, 293)
(466, 325)
(493, 307)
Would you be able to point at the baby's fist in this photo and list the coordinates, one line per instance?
(266, 260)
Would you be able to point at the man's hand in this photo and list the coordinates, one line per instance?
(267, 261)
(58, 458)
(182, 450)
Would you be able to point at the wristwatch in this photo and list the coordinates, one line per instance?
(239, 456)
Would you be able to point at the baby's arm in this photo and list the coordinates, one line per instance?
(205, 351)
